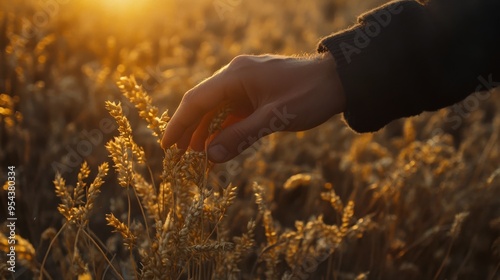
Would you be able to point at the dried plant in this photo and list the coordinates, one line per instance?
(182, 231)
(416, 200)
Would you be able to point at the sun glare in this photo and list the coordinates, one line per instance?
(122, 6)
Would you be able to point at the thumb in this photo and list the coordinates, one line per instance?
(236, 138)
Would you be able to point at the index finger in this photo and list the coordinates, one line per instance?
(200, 100)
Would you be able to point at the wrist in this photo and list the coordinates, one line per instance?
(326, 68)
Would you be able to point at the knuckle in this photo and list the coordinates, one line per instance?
(267, 111)
(190, 98)
(241, 61)
(238, 134)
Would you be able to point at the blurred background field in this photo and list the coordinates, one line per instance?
(428, 188)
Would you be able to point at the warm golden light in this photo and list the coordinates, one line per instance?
(87, 88)
(118, 8)
(121, 5)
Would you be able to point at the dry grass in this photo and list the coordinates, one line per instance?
(417, 200)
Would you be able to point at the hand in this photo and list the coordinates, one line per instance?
(266, 93)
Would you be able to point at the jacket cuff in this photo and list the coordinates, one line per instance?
(377, 60)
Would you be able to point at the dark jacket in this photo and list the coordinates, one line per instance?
(405, 57)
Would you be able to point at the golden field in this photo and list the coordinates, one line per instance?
(86, 90)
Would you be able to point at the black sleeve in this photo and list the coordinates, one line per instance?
(404, 58)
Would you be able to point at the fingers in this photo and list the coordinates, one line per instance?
(234, 139)
(202, 136)
(183, 142)
(195, 104)
(201, 133)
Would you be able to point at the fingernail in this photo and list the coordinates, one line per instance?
(217, 153)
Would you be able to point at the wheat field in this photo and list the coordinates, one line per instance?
(86, 89)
